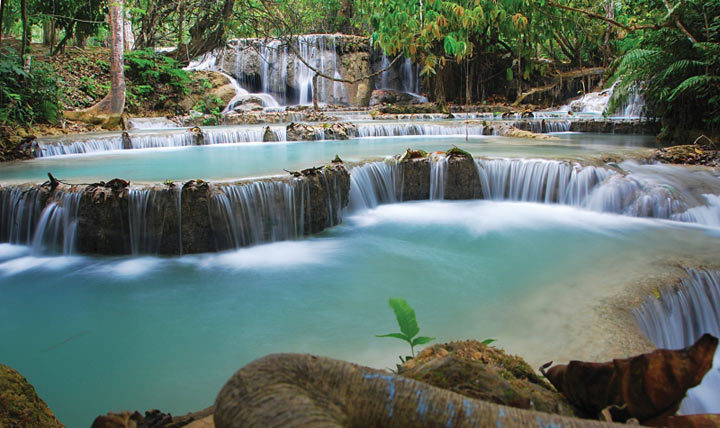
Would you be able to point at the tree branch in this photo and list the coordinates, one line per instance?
(678, 23)
(628, 28)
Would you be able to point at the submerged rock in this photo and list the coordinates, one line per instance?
(486, 373)
(20, 406)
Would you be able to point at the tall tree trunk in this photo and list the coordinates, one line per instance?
(117, 59)
(128, 37)
(2, 17)
(347, 11)
(108, 112)
(308, 391)
(25, 32)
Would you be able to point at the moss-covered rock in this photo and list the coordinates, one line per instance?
(20, 406)
(486, 373)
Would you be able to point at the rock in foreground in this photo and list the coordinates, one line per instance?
(486, 373)
(20, 405)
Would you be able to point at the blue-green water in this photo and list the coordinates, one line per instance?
(256, 159)
(101, 334)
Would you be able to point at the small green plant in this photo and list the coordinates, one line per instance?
(405, 315)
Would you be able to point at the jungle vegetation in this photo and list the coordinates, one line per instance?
(470, 50)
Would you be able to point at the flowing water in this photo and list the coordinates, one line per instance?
(145, 332)
(219, 161)
(527, 265)
(678, 319)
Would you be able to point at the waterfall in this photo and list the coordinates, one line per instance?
(704, 214)
(214, 61)
(597, 102)
(373, 184)
(57, 227)
(538, 180)
(546, 181)
(543, 126)
(229, 135)
(272, 67)
(58, 148)
(403, 76)
(438, 171)
(406, 129)
(151, 123)
(261, 212)
(677, 319)
(47, 222)
(20, 211)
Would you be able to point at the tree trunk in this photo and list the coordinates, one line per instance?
(25, 32)
(207, 34)
(2, 17)
(108, 112)
(128, 37)
(347, 12)
(306, 391)
(315, 92)
(69, 31)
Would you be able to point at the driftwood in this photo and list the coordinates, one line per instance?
(557, 79)
(305, 172)
(292, 390)
(646, 387)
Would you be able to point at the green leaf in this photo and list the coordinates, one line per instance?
(488, 341)
(397, 336)
(422, 340)
(405, 317)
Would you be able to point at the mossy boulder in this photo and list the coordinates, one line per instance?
(20, 406)
(485, 373)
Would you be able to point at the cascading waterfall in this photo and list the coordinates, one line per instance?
(20, 211)
(677, 319)
(271, 66)
(403, 77)
(252, 133)
(704, 214)
(544, 181)
(262, 212)
(538, 180)
(597, 103)
(29, 219)
(407, 129)
(438, 171)
(373, 184)
(544, 126)
(58, 148)
(147, 216)
(214, 61)
(230, 135)
(56, 230)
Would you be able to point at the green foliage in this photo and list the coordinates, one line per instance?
(213, 105)
(27, 97)
(149, 67)
(679, 78)
(409, 329)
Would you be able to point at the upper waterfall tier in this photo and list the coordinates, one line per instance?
(280, 68)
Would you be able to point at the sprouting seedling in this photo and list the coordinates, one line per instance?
(408, 326)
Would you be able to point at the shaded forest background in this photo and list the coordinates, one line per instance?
(471, 51)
